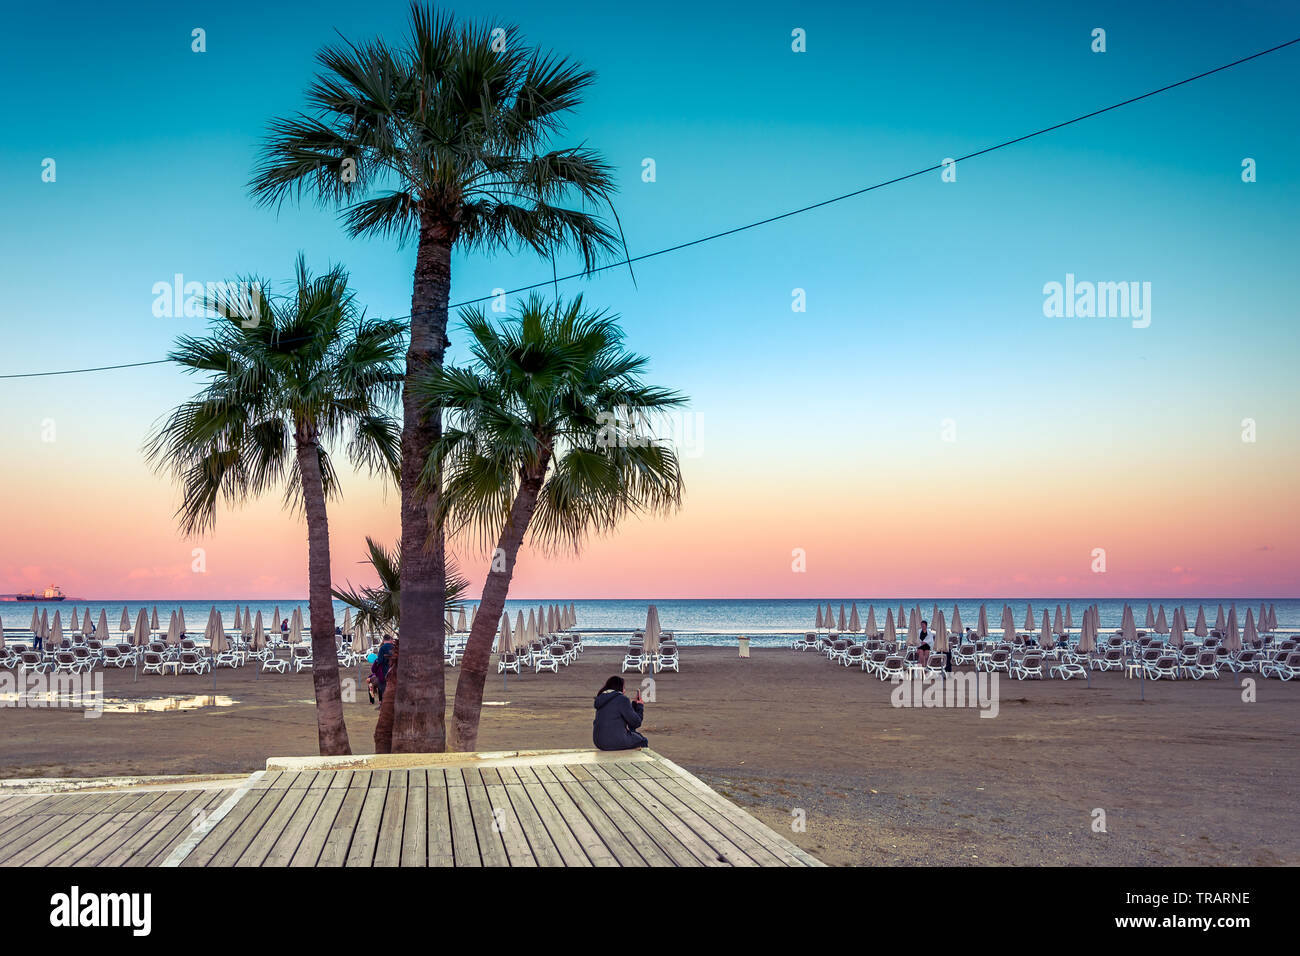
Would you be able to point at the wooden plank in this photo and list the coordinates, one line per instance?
(622, 849)
(23, 839)
(271, 830)
(415, 824)
(94, 831)
(464, 841)
(647, 809)
(312, 841)
(441, 850)
(57, 839)
(512, 832)
(142, 846)
(487, 825)
(593, 846)
(673, 795)
(562, 837)
(686, 822)
(251, 815)
(215, 839)
(18, 803)
(539, 840)
(388, 849)
(366, 834)
(140, 819)
(290, 835)
(771, 848)
(339, 839)
(655, 844)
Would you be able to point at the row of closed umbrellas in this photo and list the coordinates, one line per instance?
(541, 621)
(1047, 631)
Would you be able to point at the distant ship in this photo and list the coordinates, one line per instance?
(51, 593)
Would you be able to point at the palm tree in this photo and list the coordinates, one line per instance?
(289, 378)
(379, 608)
(548, 437)
(445, 140)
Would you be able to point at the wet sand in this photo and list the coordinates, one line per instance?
(1191, 775)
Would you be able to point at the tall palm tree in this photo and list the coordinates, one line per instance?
(288, 378)
(444, 139)
(379, 607)
(549, 438)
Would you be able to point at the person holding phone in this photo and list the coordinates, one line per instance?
(617, 718)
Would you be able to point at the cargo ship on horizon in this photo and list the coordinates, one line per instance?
(51, 593)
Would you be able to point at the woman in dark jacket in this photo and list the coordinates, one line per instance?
(617, 718)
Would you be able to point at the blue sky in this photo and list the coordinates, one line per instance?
(923, 297)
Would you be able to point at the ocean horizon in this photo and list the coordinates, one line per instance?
(694, 621)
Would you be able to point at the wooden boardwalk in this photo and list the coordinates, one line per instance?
(549, 808)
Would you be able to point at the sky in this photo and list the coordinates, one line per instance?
(922, 427)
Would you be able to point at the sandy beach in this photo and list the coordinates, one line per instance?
(1191, 775)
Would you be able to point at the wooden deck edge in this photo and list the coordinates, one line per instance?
(758, 824)
(53, 786)
(483, 758)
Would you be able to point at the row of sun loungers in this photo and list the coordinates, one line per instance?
(548, 654)
(1148, 659)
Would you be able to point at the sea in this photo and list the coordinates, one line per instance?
(701, 621)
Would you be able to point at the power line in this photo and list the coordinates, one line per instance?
(628, 260)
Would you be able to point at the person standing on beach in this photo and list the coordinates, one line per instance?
(383, 659)
(923, 652)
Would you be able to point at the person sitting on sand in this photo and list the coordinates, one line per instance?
(617, 718)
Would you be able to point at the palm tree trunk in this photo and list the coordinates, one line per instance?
(330, 729)
(420, 702)
(478, 649)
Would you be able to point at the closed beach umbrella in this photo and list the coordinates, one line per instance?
(934, 614)
(257, 636)
(1221, 622)
(891, 635)
(1201, 629)
(830, 617)
(872, 630)
(140, 637)
(181, 627)
(1046, 640)
(56, 632)
(295, 627)
(982, 626)
(347, 622)
(1251, 635)
(153, 619)
(1233, 638)
(900, 620)
(275, 621)
(504, 643)
(914, 629)
(217, 643)
(1129, 626)
(1176, 633)
(1262, 620)
(1162, 626)
(102, 630)
(36, 622)
(1058, 625)
(462, 624)
(855, 623)
(1030, 623)
(74, 624)
(1272, 617)
(844, 624)
(820, 625)
(956, 623)
(1008, 623)
(520, 634)
(45, 624)
(1069, 620)
(940, 642)
(173, 629)
(1087, 636)
(651, 646)
(125, 624)
(1151, 617)
(532, 623)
